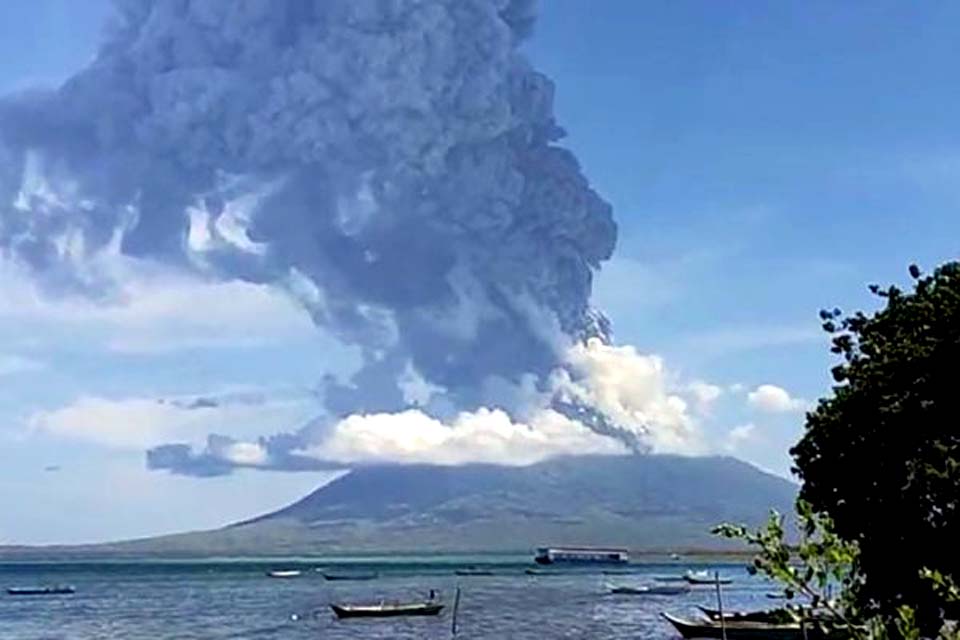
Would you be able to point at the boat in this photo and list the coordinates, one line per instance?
(704, 577)
(535, 572)
(768, 615)
(385, 610)
(618, 572)
(581, 555)
(473, 571)
(350, 576)
(651, 590)
(293, 573)
(55, 590)
(744, 629)
(670, 578)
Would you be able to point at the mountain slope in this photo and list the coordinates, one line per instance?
(641, 502)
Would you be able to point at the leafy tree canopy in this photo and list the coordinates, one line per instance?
(881, 455)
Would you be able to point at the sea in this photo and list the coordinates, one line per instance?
(234, 599)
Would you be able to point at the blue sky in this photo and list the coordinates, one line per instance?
(764, 160)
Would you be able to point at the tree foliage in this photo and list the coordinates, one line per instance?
(881, 456)
(822, 564)
(815, 568)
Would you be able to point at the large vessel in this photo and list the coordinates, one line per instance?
(581, 555)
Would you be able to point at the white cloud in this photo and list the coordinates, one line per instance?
(631, 388)
(248, 454)
(704, 394)
(13, 364)
(139, 423)
(739, 435)
(147, 309)
(482, 436)
(773, 399)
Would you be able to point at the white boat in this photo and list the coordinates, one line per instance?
(285, 574)
(651, 590)
(705, 577)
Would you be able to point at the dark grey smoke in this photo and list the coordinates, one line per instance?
(392, 162)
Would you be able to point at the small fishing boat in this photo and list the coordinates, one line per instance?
(385, 610)
(535, 572)
(54, 590)
(350, 576)
(284, 573)
(769, 615)
(743, 629)
(473, 571)
(670, 578)
(651, 590)
(704, 577)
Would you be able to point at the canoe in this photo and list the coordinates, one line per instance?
(670, 578)
(654, 590)
(383, 610)
(702, 577)
(769, 615)
(350, 576)
(473, 572)
(742, 630)
(536, 572)
(284, 574)
(41, 591)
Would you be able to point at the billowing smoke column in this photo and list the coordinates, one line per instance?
(389, 162)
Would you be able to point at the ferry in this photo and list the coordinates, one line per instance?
(581, 555)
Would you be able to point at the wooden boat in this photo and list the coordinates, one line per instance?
(670, 578)
(473, 572)
(703, 577)
(535, 572)
(651, 590)
(293, 573)
(55, 590)
(769, 615)
(384, 610)
(743, 630)
(350, 576)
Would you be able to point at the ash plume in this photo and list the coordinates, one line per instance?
(392, 164)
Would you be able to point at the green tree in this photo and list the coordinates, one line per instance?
(881, 455)
(821, 568)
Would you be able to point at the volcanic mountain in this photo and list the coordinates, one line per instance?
(651, 502)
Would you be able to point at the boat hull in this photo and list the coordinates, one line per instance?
(739, 630)
(650, 591)
(40, 591)
(347, 611)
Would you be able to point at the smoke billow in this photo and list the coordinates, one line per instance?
(391, 163)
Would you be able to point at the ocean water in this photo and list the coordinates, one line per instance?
(235, 599)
